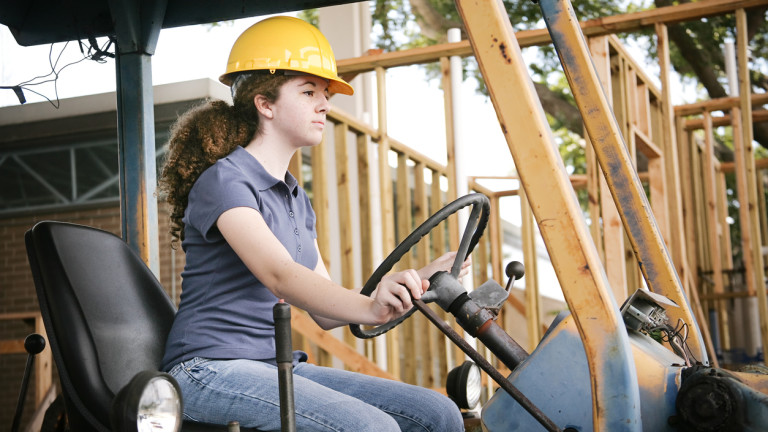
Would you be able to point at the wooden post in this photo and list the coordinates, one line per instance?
(439, 346)
(713, 226)
(344, 192)
(322, 207)
(403, 224)
(363, 196)
(668, 142)
(320, 201)
(294, 167)
(726, 258)
(387, 208)
(496, 235)
(613, 233)
(345, 205)
(747, 157)
(423, 328)
(532, 308)
(450, 140)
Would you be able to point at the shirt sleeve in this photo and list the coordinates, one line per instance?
(217, 190)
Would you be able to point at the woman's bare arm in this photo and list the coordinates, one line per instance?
(249, 236)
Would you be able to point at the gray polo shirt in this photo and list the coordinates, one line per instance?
(225, 311)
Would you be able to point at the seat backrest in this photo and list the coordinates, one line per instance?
(106, 314)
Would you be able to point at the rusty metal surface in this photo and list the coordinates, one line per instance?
(653, 258)
(486, 366)
(613, 376)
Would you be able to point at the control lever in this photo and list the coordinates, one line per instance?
(284, 356)
(515, 271)
(491, 295)
(34, 344)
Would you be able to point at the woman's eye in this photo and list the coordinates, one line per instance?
(309, 93)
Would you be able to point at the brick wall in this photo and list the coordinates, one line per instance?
(17, 292)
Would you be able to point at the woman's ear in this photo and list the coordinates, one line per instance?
(263, 105)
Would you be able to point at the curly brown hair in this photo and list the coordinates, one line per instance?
(207, 133)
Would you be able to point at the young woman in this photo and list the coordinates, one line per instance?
(248, 231)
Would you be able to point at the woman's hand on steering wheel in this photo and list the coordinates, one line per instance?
(444, 263)
(392, 297)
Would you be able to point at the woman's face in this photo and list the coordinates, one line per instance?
(300, 109)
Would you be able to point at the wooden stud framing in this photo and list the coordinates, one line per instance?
(363, 196)
(345, 205)
(294, 167)
(439, 346)
(713, 225)
(748, 158)
(656, 178)
(423, 327)
(404, 223)
(613, 246)
(532, 307)
(672, 159)
(387, 207)
(725, 253)
(344, 193)
(320, 201)
(322, 224)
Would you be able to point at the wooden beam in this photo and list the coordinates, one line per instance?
(656, 180)
(748, 156)
(728, 167)
(344, 191)
(713, 224)
(320, 201)
(719, 104)
(611, 248)
(363, 196)
(532, 307)
(758, 116)
(670, 148)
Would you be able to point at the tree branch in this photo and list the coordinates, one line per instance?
(559, 108)
(432, 24)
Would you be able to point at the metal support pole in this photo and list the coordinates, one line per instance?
(137, 28)
(615, 392)
(627, 191)
(136, 150)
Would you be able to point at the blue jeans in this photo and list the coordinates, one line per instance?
(327, 399)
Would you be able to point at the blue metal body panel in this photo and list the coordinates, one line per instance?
(556, 378)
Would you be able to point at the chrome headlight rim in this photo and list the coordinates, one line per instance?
(464, 385)
(132, 402)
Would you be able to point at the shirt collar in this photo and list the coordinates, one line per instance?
(261, 178)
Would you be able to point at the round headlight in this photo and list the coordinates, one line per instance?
(464, 385)
(150, 402)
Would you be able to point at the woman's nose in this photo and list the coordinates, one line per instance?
(325, 105)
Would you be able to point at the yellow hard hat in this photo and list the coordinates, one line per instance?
(288, 44)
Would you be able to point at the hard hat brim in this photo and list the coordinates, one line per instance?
(335, 83)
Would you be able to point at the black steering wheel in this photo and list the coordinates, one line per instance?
(477, 222)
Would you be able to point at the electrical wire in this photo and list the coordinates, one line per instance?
(92, 52)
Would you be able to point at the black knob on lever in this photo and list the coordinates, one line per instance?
(34, 344)
(515, 270)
